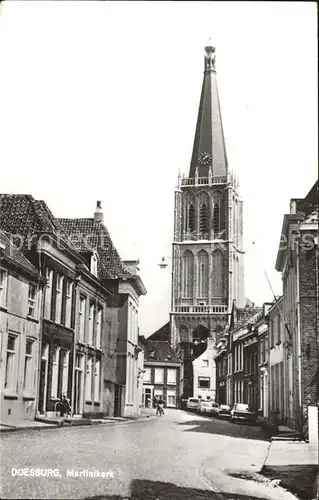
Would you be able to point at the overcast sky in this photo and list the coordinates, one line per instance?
(99, 101)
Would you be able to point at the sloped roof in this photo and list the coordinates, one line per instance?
(246, 314)
(11, 253)
(88, 236)
(23, 216)
(161, 334)
(159, 351)
(312, 217)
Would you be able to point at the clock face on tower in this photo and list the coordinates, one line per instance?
(204, 159)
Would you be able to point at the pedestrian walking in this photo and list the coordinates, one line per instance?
(160, 407)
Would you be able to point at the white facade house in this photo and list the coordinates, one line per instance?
(205, 373)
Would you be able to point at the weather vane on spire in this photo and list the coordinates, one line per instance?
(210, 56)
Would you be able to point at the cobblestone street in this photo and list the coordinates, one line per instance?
(180, 455)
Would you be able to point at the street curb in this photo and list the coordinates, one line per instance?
(68, 426)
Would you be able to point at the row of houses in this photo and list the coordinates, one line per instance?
(68, 315)
(269, 356)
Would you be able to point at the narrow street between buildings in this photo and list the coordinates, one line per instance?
(180, 455)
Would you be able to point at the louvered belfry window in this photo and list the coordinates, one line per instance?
(216, 219)
(191, 217)
(203, 218)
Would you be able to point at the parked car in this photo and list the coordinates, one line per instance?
(192, 404)
(210, 408)
(224, 411)
(242, 412)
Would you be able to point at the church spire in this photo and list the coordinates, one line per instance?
(209, 145)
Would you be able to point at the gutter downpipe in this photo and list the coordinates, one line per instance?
(43, 294)
(74, 316)
(299, 337)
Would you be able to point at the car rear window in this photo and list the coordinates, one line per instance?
(191, 400)
(242, 407)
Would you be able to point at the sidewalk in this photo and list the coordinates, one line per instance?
(47, 423)
(24, 424)
(295, 464)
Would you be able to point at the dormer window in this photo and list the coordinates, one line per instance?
(94, 263)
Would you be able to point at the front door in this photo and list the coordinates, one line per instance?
(117, 401)
(43, 379)
(78, 385)
(148, 397)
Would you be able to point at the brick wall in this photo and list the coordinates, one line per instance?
(309, 327)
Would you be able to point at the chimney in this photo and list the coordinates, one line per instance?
(98, 214)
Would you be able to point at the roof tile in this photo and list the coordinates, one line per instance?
(12, 254)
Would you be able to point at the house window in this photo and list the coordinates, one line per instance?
(32, 300)
(28, 366)
(55, 371)
(229, 371)
(88, 380)
(266, 349)
(236, 359)
(171, 398)
(98, 328)
(97, 381)
(81, 323)
(10, 382)
(58, 298)
(158, 393)
(147, 375)
(204, 382)
(171, 376)
(94, 264)
(278, 328)
(159, 375)
(261, 352)
(91, 324)
(68, 303)
(205, 363)
(3, 287)
(48, 293)
(65, 372)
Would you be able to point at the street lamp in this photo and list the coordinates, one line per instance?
(163, 264)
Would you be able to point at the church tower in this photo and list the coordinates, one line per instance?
(208, 257)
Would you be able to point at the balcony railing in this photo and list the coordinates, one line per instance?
(220, 235)
(203, 181)
(212, 309)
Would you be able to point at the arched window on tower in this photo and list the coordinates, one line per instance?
(191, 217)
(188, 273)
(218, 274)
(202, 274)
(216, 219)
(203, 218)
